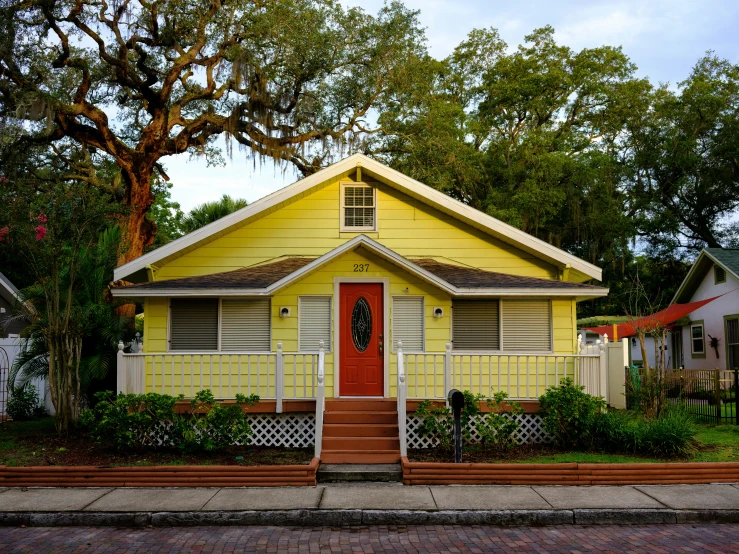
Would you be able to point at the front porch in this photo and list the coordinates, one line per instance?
(292, 388)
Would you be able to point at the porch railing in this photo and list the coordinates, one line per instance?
(523, 376)
(271, 375)
(320, 400)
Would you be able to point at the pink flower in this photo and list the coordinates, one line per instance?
(3, 233)
(40, 232)
(3, 179)
(42, 218)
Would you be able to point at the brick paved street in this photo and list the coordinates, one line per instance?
(665, 538)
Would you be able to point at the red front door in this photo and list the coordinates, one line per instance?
(361, 340)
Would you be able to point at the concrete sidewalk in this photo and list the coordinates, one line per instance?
(371, 503)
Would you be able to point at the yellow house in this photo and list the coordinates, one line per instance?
(364, 287)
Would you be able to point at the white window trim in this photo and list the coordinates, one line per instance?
(693, 339)
(423, 324)
(343, 228)
(219, 351)
(331, 323)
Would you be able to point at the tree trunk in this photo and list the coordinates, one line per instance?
(137, 231)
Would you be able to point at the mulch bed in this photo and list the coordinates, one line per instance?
(41, 446)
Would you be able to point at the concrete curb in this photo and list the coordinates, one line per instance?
(353, 518)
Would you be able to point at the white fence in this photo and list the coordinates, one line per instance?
(522, 376)
(271, 375)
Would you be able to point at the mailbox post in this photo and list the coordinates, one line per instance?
(456, 401)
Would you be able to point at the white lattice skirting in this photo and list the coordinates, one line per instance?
(530, 431)
(297, 430)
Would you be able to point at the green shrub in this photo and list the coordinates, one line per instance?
(213, 426)
(617, 432)
(23, 403)
(567, 413)
(438, 422)
(670, 435)
(133, 420)
(498, 428)
(150, 420)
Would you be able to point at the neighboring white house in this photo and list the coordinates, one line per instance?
(711, 338)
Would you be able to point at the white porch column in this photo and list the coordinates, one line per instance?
(279, 378)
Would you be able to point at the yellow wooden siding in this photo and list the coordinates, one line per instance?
(309, 226)
(321, 282)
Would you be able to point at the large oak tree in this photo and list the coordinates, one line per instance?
(294, 81)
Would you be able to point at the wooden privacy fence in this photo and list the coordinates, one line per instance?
(522, 376)
(271, 375)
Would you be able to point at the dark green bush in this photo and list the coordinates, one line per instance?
(567, 413)
(150, 420)
(498, 428)
(23, 403)
(438, 422)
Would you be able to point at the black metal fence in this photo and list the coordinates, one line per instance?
(708, 394)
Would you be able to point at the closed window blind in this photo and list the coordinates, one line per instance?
(314, 323)
(475, 325)
(193, 324)
(245, 325)
(408, 323)
(527, 325)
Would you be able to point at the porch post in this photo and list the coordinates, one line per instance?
(401, 401)
(603, 375)
(120, 370)
(320, 400)
(447, 371)
(279, 378)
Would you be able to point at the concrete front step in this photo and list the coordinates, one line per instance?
(358, 430)
(377, 473)
(351, 416)
(360, 456)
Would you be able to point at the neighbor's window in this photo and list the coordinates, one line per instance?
(358, 208)
(193, 324)
(314, 323)
(408, 323)
(476, 325)
(698, 345)
(719, 274)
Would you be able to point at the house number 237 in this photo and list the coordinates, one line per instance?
(361, 268)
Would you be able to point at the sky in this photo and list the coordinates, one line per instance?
(664, 38)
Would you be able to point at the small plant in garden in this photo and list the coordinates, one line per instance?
(213, 426)
(150, 420)
(568, 411)
(133, 420)
(23, 403)
(438, 422)
(498, 428)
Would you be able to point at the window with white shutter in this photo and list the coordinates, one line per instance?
(358, 208)
(475, 325)
(408, 323)
(314, 323)
(193, 324)
(527, 325)
(245, 324)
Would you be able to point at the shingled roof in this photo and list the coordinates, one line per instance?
(473, 278)
(262, 276)
(252, 277)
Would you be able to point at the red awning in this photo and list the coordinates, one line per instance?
(660, 319)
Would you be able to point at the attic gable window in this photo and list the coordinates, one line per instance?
(358, 207)
(719, 274)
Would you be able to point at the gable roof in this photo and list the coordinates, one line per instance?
(726, 258)
(390, 177)
(266, 279)
(8, 289)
